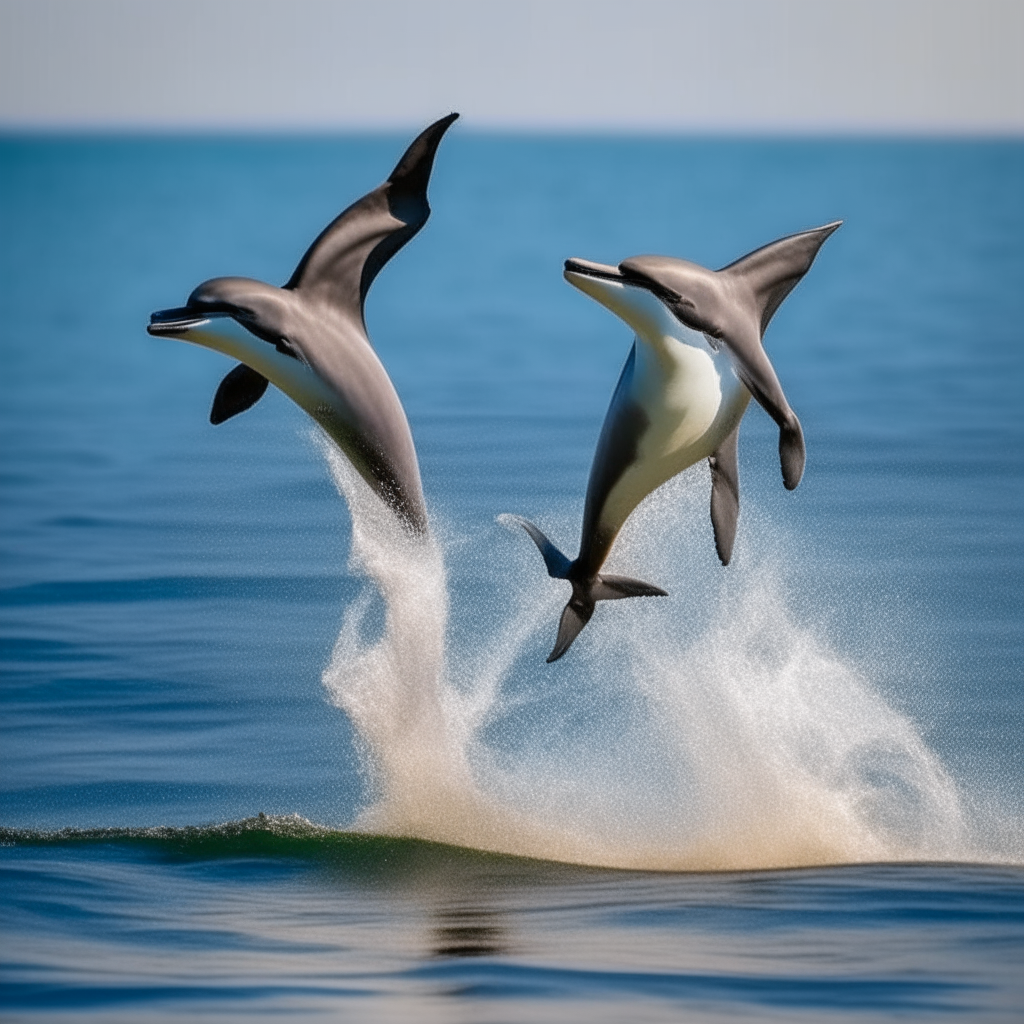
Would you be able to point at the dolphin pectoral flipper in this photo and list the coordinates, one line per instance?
(768, 275)
(754, 368)
(241, 389)
(725, 494)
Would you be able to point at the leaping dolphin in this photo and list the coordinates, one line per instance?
(694, 365)
(309, 336)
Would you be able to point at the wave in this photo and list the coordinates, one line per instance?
(293, 837)
(262, 835)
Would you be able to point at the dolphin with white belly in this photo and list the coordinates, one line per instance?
(309, 337)
(696, 362)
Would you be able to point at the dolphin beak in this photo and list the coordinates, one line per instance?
(173, 323)
(598, 280)
(615, 288)
(587, 268)
(604, 284)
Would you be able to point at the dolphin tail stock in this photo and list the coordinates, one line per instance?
(585, 592)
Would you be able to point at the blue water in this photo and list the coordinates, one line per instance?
(172, 594)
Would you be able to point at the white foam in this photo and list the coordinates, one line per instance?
(709, 730)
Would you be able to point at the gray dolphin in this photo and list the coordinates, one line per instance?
(696, 362)
(309, 337)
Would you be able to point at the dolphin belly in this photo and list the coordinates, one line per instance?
(378, 450)
(693, 400)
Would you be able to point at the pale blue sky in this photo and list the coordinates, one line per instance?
(931, 66)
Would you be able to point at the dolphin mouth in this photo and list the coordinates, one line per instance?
(587, 268)
(176, 323)
(622, 274)
(169, 322)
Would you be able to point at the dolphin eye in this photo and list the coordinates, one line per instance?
(285, 347)
(686, 313)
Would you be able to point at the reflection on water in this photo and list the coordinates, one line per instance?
(425, 932)
(469, 931)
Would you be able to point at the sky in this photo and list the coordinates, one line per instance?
(732, 66)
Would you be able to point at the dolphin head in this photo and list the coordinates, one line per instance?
(651, 293)
(690, 292)
(219, 307)
(254, 323)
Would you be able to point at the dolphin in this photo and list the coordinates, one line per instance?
(309, 337)
(695, 364)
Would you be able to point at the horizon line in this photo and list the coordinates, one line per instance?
(795, 132)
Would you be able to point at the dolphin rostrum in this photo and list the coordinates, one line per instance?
(696, 362)
(309, 336)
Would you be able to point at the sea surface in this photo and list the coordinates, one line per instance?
(261, 758)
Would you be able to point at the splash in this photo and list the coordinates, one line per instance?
(693, 733)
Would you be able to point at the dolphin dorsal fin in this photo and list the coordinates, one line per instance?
(774, 270)
(339, 267)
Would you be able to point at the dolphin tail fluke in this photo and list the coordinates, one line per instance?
(557, 563)
(575, 615)
(613, 588)
(586, 593)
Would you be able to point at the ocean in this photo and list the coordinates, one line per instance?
(260, 757)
